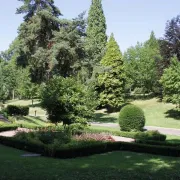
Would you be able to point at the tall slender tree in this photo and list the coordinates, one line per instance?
(96, 33)
(113, 80)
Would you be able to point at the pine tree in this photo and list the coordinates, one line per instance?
(35, 34)
(31, 7)
(112, 81)
(96, 33)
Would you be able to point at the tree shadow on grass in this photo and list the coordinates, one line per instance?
(173, 113)
(104, 118)
(126, 165)
(32, 120)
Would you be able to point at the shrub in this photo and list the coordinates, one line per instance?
(95, 137)
(68, 101)
(14, 110)
(45, 137)
(150, 136)
(7, 127)
(131, 118)
(86, 148)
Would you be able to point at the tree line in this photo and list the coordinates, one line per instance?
(49, 46)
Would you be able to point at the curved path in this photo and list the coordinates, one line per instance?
(169, 131)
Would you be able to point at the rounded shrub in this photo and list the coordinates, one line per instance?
(131, 118)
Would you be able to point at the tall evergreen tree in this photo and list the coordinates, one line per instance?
(31, 7)
(113, 80)
(96, 33)
(35, 34)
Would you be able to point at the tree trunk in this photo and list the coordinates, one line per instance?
(13, 94)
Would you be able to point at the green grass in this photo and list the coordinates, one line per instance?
(110, 166)
(39, 111)
(157, 114)
(173, 139)
(29, 121)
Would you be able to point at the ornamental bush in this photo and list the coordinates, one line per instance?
(68, 101)
(131, 118)
(150, 136)
(14, 110)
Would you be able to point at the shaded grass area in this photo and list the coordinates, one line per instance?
(27, 120)
(104, 117)
(157, 114)
(35, 107)
(116, 165)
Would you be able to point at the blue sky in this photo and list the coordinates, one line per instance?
(129, 20)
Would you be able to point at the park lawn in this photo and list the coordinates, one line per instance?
(157, 114)
(39, 111)
(111, 166)
(30, 121)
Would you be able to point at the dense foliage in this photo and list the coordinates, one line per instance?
(96, 32)
(131, 118)
(150, 136)
(68, 101)
(112, 81)
(14, 110)
(171, 83)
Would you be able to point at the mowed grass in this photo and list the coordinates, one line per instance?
(31, 120)
(111, 166)
(39, 111)
(157, 114)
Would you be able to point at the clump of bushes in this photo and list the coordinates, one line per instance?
(14, 110)
(7, 127)
(150, 136)
(67, 100)
(93, 136)
(45, 137)
(131, 118)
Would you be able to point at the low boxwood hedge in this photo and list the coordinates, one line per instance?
(165, 143)
(150, 135)
(8, 127)
(14, 110)
(89, 149)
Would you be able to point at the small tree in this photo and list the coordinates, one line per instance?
(171, 82)
(68, 101)
(112, 81)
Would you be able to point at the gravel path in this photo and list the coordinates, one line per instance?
(122, 139)
(13, 132)
(170, 131)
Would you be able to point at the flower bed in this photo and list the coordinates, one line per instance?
(93, 136)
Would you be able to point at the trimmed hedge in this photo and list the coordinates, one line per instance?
(90, 149)
(150, 135)
(131, 118)
(8, 127)
(150, 142)
(14, 110)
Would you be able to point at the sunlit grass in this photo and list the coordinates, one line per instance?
(111, 166)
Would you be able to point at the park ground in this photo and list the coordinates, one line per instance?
(113, 165)
(116, 165)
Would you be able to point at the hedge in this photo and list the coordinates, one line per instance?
(150, 135)
(17, 110)
(165, 143)
(8, 127)
(100, 147)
